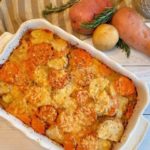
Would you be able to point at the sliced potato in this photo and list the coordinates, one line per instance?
(55, 134)
(59, 44)
(122, 106)
(41, 36)
(96, 86)
(103, 104)
(110, 130)
(7, 98)
(41, 76)
(37, 96)
(4, 88)
(58, 63)
(92, 143)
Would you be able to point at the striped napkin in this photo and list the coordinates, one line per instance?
(14, 12)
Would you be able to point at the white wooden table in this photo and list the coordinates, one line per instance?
(139, 64)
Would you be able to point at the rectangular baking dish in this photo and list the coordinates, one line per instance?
(137, 125)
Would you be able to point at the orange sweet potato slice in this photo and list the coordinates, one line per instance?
(124, 86)
(38, 125)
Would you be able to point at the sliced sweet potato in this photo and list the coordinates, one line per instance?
(38, 125)
(124, 86)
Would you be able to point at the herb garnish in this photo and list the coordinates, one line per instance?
(50, 9)
(121, 44)
(103, 17)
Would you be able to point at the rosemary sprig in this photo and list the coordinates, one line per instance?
(103, 17)
(121, 44)
(50, 9)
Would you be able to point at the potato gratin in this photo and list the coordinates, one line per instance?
(64, 93)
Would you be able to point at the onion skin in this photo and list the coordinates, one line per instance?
(85, 11)
(132, 29)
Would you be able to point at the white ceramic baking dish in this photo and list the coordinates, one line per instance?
(137, 125)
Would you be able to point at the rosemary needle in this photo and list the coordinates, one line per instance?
(103, 17)
(49, 9)
(121, 44)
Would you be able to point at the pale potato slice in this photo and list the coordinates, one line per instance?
(61, 97)
(92, 143)
(122, 106)
(96, 86)
(38, 96)
(20, 53)
(110, 130)
(55, 134)
(103, 104)
(7, 98)
(59, 44)
(69, 122)
(58, 63)
(86, 115)
(41, 76)
(4, 88)
(41, 36)
(69, 104)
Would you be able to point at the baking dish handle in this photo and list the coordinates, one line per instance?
(139, 134)
(4, 39)
(142, 129)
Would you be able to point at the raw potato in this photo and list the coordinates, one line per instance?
(132, 29)
(84, 11)
(105, 37)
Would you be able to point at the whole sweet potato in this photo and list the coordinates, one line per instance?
(132, 29)
(84, 11)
